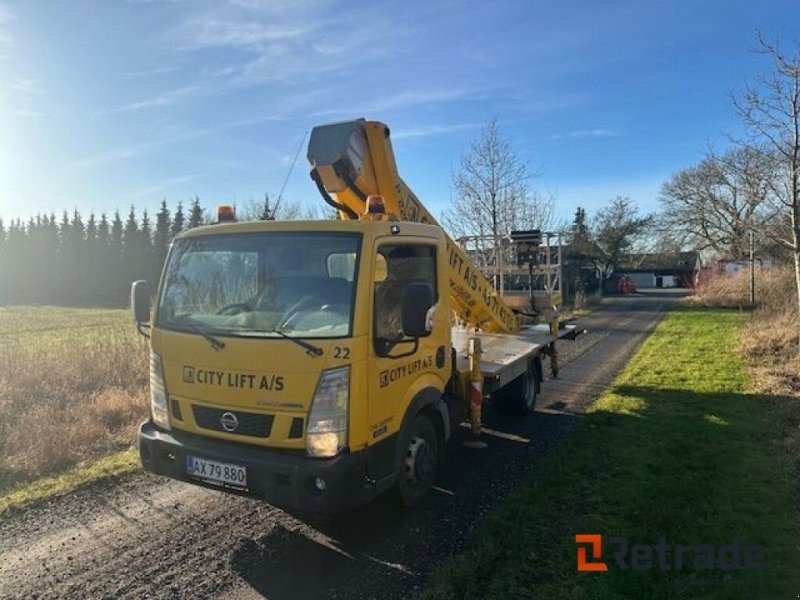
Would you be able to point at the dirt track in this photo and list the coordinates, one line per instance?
(147, 537)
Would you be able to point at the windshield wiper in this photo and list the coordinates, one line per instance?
(311, 349)
(216, 343)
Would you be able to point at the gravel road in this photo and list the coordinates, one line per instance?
(148, 537)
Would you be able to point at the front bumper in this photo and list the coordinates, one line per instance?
(283, 479)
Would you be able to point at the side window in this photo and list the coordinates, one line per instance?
(397, 265)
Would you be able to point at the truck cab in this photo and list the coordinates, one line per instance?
(287, 358)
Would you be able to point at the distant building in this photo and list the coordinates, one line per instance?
(734, 267)
(729, 268)
(662, 270)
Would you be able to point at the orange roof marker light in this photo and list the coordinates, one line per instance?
(225, 213)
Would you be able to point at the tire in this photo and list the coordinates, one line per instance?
(519, 396)
(419, 456)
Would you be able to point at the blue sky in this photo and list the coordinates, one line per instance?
(108, 103)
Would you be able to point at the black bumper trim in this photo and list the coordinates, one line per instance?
(285, 479)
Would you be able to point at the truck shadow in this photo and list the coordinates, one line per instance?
(326, 556)
(382, 550)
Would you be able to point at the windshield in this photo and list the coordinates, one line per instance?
(258, 284)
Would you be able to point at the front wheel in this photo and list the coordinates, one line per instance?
(420, 455)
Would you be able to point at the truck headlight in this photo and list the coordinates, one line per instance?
(326, 434)
(158, 393)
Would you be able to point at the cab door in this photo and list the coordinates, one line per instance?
(400, 366)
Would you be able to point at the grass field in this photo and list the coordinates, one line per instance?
(49, 326)
(72, 388)
(678, 450)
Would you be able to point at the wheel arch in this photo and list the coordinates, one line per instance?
(428, 401)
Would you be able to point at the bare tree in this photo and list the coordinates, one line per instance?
(269, 211)
(770, 110)
(713, 204)
(492, 194)
(533, 211)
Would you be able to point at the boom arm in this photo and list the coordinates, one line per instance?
(353, 159)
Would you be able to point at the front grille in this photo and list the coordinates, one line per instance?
(251, 424)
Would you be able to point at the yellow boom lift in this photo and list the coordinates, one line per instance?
(317, 364)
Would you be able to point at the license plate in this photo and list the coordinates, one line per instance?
(218, 473)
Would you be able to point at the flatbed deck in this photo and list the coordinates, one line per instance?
(505, 355)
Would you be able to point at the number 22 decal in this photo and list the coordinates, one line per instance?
(341, 352)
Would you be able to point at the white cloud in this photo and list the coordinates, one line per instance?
(275, 5)
(163, 70)
(144, 148)
(523, 103)
(137, 149)
(165, 99)
(285, 42)
(398, 101)
(26, 112)
(155, 187)
(585, 133)
(6, 41)
(247, 35)
(155, 1)
(21, 96)
(25, 86)
(5, 14)
(429, 130)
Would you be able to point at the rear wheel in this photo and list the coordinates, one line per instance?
(420, 455)
(519, 396)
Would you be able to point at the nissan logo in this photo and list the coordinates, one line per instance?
(229, 422)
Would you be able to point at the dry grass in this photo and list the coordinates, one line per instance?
(770, 341)
(72, 388)
(772, 335)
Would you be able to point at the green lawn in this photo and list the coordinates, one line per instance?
(113, 465)
(677, 450)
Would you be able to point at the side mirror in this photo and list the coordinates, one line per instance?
(140, 301)
(417, 301)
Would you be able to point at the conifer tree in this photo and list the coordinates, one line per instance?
(63, 232)
(131, 232)
(77, 231)
(196, 214)
(146, 231)
(161, 237)
(15, 251)
(91, 263)
(144, 262)
(131, 245)
(117, 235)
(103, 234)
(177, 221)
(4, 279)
(91, 232)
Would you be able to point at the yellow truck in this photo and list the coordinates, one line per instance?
(318, 364)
